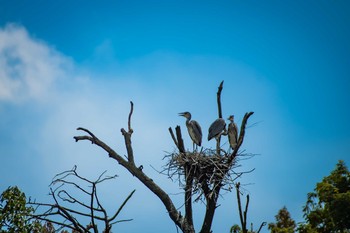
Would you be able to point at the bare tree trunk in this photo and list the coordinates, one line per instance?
(211, 200)
(138, 173)
(211, 192)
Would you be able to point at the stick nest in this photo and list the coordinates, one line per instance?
(206, 168)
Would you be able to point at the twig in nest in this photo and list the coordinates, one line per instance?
(205, 167)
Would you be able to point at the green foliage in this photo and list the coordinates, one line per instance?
(284, 222)
(306, 228)
(235, 229)
(328, 208)
(14, 214)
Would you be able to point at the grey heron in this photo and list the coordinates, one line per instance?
(216, 129)
(194, 129)
(232, 132)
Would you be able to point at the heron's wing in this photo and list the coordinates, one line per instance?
(216, 127)
(235, 129)
(233, 132)
(197, 131)
(197, 127)
(232, 135)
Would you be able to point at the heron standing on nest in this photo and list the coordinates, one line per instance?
(232, 132)
(216, 129)
(194, 129)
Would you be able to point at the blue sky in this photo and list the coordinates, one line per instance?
(67, 64)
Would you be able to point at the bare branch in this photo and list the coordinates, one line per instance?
(127, 136)
(246, 210)
(78, 138)
(70, 183)
(240, 208)
(63, 225)
(135, 171)
(261, 226)
(91, 212)
(87, 131)
(107, 224)
(124, 220)
(70, 198)
(64, 213)
(100, 179)
(180, 141)
(122, 206)
(104, 146)
(64, 173)
(92, 207)
(198, 173)
(173, 136)
(218, 96)
(241, 136)
(242, 215)
(129, 119)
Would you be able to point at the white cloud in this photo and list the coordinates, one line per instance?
(29, 67)
(32, 70)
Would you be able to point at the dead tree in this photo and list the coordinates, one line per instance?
(204, 174)
(69, 211)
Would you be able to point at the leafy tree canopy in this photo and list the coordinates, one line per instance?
(284, 222)
(328, 208)
(14, 214)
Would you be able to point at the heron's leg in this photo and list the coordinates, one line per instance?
(217, 145)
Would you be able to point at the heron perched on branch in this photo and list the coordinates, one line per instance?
(232, 132)
(194, 129)
(216, 129)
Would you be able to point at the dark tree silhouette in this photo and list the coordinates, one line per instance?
(70, 211)
(203, 174)
(243, 215)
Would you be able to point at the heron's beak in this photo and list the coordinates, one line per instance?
(181, 114)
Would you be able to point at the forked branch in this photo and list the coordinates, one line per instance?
(71, 209)
(127, 136)
(130, 165)
(241, 136)
(242, 214)
(202, 177)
